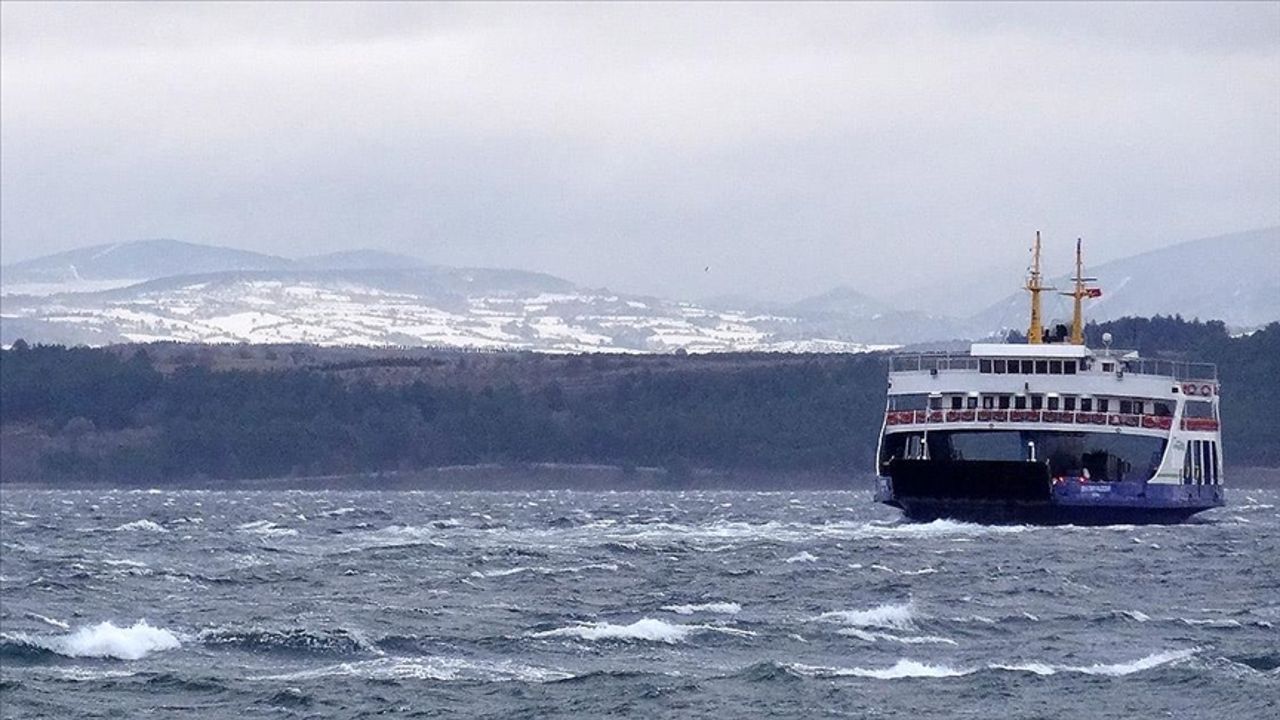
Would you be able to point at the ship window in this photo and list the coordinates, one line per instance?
(1086, 404)
(935, 403)
(988, 402)
(1027, 367)
(1042, 367)
(1037, 402)
(971, 402)
(1126, 407)
(957, 402)
(1053, 403)
(1206, 462)
(1162, 409)
(984, 366)
(1108, 367)
(1004, 402)
(998, 367)
(908, 402)
(1055, 367)
(1068, 403)
(1020, 402)
(1187, 472)
(1103, 405)
(1198, 409)
(1069, 367)
(1214, 456)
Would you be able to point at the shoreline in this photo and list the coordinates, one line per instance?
(503, 478)
(556, 476)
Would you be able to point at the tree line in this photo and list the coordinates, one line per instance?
(105, 414)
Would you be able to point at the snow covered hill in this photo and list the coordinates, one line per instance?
(160, 290)
(475, 308)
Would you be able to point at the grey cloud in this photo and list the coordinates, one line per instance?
(692, 149)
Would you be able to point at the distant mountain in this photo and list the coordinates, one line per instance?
(150, 259)
(137, 260)
(359, 260)
(1234, 278)
(168, 290)
(841, 301)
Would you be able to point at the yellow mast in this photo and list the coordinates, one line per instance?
(1078, 294)
(1035, 333)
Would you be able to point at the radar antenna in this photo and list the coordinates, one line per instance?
(1078, 294)
(1035, 333)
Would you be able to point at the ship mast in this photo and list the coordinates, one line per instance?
(1078, 294)
(1035, 333)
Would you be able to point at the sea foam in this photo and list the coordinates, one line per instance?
(266, 528)
(902, 669)
(644, 629)
(106, 640)
(431, 668)
(142, 526)
(1112, 669)
(721, 608)
(888, 615)
(907, 668)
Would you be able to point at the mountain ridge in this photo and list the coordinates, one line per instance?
(374, 297)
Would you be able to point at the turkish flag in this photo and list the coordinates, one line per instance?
(1093, 292)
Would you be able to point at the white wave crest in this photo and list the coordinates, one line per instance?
(902, 669)
(802, 556)
(1212, 623)
(906, 668)
(644, 629)
(266, 528)
(49, 621)
(543, 570)
(395, 536)
(431, 668)
(940, 528)
(142, 526)
(898, 617)
(1113, 669)
(106, 640)
(890, 616)
(721, 608)
(872, 636)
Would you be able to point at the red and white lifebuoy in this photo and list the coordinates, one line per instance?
(1206, 390)
(1189, 388)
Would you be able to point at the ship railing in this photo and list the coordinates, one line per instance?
(1015, 417)
(951, 361)
(1176, 369)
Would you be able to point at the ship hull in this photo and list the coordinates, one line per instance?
(1024, 492)
(1040, 513)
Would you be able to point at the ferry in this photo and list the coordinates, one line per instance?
(1050, 431)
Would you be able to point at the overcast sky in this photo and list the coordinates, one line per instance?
(688, 150)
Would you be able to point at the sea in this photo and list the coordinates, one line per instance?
(284, 604)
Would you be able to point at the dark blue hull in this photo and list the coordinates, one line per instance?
(989, 492)
(1041, 513)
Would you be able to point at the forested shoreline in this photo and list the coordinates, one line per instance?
(182, 414)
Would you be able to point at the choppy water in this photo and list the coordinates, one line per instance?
(292, 604)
